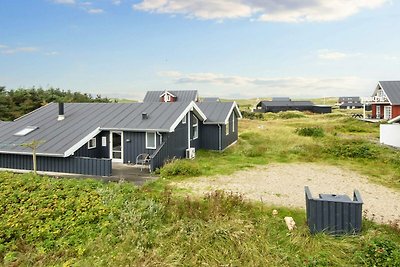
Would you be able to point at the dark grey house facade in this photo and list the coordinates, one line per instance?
(350, 102)
(286, 104)
(220, 130)
(89, 137)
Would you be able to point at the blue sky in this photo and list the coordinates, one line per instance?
(231, 49)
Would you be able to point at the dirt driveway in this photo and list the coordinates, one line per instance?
(283, 185)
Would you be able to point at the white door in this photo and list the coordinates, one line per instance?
(116, 146)
(387, 112)
(378, 111)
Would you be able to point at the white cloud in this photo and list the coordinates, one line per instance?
(246, 87)
(67, 2)
(95, 11)
(116, 2)
(263, 10)
(52, 53)
(331, 55)
(26, 49)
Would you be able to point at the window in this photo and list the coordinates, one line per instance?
(167, 98)
(227, 128)
(151, 140)
(26, 130)
(92, 143)
(104, 141)
(195, 128)
(184, 120)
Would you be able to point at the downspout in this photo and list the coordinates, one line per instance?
(160, 135)
(219, 137)
(188, 123)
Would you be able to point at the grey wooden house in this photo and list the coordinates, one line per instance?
(278, 104)
(87, 138)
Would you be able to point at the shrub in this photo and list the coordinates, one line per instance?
(291, 114)
(381, 253)
(310, 131)
(181, 167)
(252, 115)
(352, 149)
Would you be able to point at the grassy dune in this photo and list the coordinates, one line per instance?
(76, 222)
(70, 222)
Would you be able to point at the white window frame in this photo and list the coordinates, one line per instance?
(147, 139)
(227, 128)
(104, 141)
(195, 126)
(92, 145)
(378, 111)
(387, 112)
(184, 120)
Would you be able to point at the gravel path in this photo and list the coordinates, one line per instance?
(283, 185)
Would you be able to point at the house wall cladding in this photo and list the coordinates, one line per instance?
(76, 165)
(210, 136)
(381, 107)
(135, 144)
(100, 151)
(233, 135)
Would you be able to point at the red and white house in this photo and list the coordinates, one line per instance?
(386, 100)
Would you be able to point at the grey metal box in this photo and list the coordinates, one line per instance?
(334, 214)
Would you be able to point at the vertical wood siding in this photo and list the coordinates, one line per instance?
(76, 165)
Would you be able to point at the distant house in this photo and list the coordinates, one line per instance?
(350, 102)
(88, 138)
(171, 96)
(386, 100)
(279, 104)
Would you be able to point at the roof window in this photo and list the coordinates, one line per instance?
(26, 131)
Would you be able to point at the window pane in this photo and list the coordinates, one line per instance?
(151, 140)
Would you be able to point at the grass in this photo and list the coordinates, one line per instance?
(71, 222)
(342, 141)
(78, 222)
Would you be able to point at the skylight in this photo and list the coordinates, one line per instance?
(26, 130)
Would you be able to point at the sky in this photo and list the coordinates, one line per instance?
(230, 49)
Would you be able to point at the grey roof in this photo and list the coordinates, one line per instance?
(392, 90)
(281, 99)
(182, 96)
(349, 98)
(211, 99)
(285, 103)
(83, 119)
(218, 112)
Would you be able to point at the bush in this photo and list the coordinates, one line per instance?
(182, 167)
(310, 131)
(291, 115)
(381, 253)
(352, 149)
(252, 115)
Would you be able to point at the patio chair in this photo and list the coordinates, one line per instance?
(143, 159)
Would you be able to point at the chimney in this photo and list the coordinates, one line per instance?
(61, 111)
(145, 116)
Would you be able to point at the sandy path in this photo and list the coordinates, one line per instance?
(283, 185)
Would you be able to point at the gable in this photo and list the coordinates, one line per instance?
(391, 90)
(180, 96)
